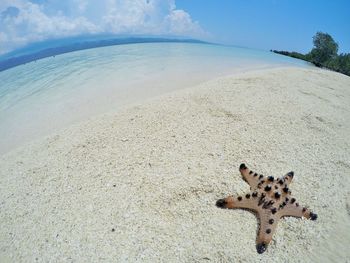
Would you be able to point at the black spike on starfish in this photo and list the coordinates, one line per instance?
(271, 199)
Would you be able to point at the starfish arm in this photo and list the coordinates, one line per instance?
(268, 225)
(251, 177)
(287, 179)
(232, 202)
(294, 209)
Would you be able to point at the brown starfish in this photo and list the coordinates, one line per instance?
(271, 199)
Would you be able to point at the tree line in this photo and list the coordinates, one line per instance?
(324, 54)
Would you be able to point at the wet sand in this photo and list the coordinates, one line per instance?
(140, 184)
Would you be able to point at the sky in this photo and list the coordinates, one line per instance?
(261, 24)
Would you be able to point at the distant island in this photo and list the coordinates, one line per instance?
(324, 54)
(16, 60)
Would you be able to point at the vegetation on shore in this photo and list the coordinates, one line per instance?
(324, 54)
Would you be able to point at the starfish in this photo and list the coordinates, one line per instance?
(271, 199)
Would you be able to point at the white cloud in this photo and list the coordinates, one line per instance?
(180, 22)
(24, 21)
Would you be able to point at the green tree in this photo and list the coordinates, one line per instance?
(340, 63)
(325, 49)
(324, 54)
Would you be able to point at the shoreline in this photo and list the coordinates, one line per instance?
(141, 183)
(42, 116)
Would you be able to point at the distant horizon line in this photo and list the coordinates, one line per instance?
(53, 47)
(33, 52)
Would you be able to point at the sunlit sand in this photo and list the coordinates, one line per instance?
(141, 184)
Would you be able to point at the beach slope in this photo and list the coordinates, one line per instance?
(141, 184)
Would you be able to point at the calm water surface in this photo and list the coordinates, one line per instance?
(40, 97)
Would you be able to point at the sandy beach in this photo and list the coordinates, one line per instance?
(140, 184)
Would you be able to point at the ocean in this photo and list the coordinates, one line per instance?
(43, 96)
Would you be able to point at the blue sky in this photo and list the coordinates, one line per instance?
(272, 24)
(262, 24)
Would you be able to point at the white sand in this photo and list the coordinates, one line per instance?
(153, 172)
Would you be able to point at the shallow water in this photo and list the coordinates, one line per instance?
(40, 97)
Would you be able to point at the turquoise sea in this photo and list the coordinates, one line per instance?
(42, 96)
